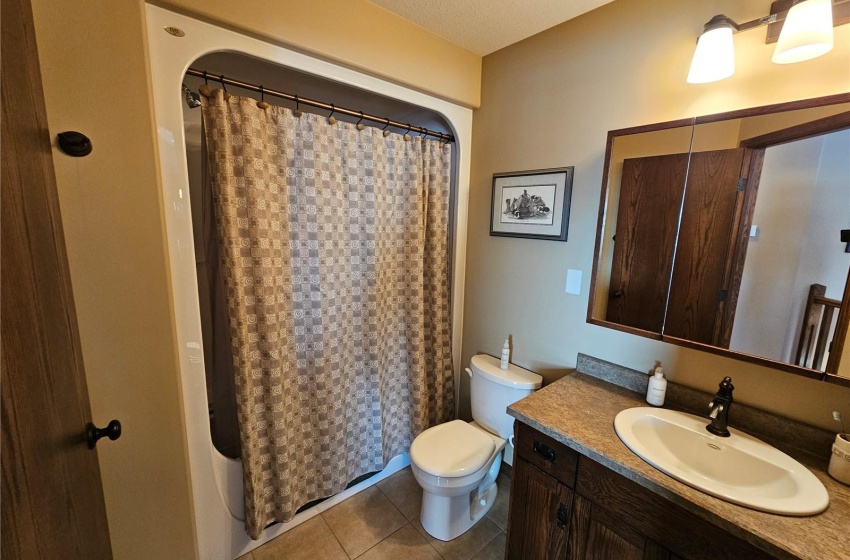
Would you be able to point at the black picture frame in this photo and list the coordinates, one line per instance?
(542, 213)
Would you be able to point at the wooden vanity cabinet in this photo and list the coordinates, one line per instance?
(542, 496)
(566, 506)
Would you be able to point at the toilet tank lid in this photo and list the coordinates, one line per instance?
(515, 376)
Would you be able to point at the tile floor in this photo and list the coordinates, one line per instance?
(382, 522)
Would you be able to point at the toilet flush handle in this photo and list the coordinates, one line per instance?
(469, 371)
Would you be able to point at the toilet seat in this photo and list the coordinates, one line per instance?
(451, 450)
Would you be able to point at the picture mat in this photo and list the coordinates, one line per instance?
(545, 192)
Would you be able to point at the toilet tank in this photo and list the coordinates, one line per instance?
(493, 389)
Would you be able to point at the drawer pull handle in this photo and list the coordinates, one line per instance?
(561, 516)
(545, 451)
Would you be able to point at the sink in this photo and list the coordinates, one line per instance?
(739, 469)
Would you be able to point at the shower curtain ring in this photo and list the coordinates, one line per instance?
(224, 87)
(262, 102)
(297, 112)
(205, 89)
(386, 132)
(331, 118)
(360, 125)
(407, 134)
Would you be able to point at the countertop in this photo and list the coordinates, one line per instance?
(579, 412)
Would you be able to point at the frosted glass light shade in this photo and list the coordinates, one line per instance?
(714, 58)
(806, 34)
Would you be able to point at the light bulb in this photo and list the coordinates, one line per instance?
(714, 58)
(806, 33)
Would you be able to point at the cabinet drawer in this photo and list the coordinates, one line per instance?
(550, 456)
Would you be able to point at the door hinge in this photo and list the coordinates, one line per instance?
(742, 184)
(721, 295)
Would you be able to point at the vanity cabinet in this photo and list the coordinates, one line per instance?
(567, 506)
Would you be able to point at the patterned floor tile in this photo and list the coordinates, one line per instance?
(312, 540)
(404, 544)
(468, 544)
(363, 520)
(404, 492)
(495, 550)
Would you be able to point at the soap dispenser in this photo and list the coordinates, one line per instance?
(657, 389)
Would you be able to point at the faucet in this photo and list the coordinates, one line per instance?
(719, 408)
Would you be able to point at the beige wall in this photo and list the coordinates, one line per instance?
(356, 33)
(548, 102)
(93, 61)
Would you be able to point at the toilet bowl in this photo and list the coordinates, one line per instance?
(457, 463)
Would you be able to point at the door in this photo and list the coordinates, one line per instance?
(52, 499)
(596, 534)
(539, 516)
(711, 212)
(647, 221)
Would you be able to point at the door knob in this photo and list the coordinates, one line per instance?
(93, 433)
(618, 293)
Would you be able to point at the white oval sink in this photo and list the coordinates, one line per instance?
(740, 468)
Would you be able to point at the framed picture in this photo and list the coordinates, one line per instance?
(533, 204)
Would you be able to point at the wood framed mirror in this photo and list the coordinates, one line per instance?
(723, 233)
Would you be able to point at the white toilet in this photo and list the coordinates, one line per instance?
(456, 463)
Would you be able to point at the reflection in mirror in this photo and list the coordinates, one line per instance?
(794, 251)
(767, 274)
(645, 184)
(723, 233)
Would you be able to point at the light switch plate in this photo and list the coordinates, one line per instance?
(573, 282)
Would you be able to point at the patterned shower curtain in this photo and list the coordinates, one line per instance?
(335, 243)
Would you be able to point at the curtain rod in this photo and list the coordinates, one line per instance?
(220, 78)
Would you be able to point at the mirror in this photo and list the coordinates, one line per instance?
(723, 233)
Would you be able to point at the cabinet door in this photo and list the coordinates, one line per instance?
(539, 515)
(596, 534)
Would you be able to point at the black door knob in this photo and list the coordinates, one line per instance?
(93, 433)
(618, 293)
(74, 143)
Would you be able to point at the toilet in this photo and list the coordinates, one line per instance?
(456, 463)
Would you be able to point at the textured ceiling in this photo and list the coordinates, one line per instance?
(484, 26)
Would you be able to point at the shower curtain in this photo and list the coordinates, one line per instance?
(335, 244)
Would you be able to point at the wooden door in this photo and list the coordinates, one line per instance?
(539, 515)
(52, 500)
(710, 217)
(648, 216)
(596, 534)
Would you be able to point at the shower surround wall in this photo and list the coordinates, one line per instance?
(217, 480)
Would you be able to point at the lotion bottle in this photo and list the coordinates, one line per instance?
(506, 355)
(657, 389)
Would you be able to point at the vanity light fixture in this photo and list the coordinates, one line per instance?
(806, 34)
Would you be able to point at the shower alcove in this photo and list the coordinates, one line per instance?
(207, 391)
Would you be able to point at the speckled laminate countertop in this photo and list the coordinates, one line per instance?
(579, 411)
